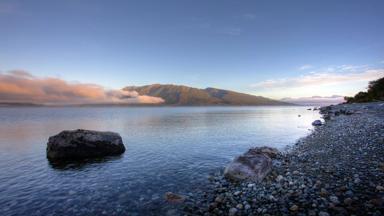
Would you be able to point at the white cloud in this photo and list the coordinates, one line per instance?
(305, 67)
(321, 78)
(344, 80)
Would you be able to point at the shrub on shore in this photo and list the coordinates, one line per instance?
(375, 92)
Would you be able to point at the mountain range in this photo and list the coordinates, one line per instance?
(187, 96)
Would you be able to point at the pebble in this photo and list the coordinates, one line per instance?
(239, 206)
(348, 201)
(279, 178)
(334, 199)
(232, 211)
(294, 208)
(322, 213)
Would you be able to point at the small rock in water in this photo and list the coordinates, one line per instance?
(174, 198)
(317, 123)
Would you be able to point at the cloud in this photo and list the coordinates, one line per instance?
(316, 100)
(22, 87)
(321, 78)
(305, 67)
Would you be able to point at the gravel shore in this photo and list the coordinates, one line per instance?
(336, 170)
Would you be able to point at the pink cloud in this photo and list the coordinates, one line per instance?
(21, 86)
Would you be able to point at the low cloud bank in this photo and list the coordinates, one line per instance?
(22, 87)
(316, 100)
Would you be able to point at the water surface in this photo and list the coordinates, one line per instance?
(168, 149)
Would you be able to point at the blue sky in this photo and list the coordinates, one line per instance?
(271, 48)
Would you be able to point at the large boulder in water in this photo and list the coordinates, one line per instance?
(254, 165)
(79, 144)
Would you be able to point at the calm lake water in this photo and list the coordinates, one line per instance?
(168, 149)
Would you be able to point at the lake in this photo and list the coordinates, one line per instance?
(168, 149)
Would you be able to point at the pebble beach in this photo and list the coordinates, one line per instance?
(337, 170)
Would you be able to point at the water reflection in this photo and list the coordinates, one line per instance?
(82, 164)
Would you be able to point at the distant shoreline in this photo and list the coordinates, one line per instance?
(137, 105)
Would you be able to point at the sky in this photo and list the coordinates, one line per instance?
(277, 49)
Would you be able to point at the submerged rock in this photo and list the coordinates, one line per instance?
(80, 143)
(174, 198)
(254, 165)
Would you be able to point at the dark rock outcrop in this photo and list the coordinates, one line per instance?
(254, 165)
(79, 144)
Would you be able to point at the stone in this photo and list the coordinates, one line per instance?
(219, 199)
(294, 208)
(322, 213)
(334, 199)
(249, 166)
(78, 144)
(348, 201)
(317, 123)
(174, 198)
(251, 185)
(279, 178)
(323, 192)
(232, 211)
(268, 151)
(379, 188)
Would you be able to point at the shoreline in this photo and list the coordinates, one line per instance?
(338, 169)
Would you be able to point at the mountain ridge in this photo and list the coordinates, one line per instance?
(189, 96)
